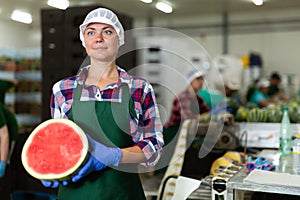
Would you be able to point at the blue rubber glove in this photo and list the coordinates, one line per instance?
(90, 166)
(53, 184)
(2, 168)
(109, 156)
(219, 108)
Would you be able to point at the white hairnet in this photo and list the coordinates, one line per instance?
(191, 75)
(263, 83)
(102, 15)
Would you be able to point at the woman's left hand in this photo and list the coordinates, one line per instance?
(2, 168)
(53, 184)
(90, 166)
(109, 156)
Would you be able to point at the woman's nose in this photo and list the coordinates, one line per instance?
(99, 37)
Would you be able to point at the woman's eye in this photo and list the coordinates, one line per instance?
(90, 33)
(108, 32)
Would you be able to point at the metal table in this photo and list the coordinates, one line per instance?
(262, 135)
(237, 183)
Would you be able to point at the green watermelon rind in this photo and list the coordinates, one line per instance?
(68, 173)
(294, 112)
(274, 115)
(241, 114)
(257, 115)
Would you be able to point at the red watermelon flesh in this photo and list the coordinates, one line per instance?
(54, 150)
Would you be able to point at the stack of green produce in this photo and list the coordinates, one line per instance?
(271, 114)
(294, 110)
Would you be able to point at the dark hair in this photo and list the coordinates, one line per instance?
(275, 75)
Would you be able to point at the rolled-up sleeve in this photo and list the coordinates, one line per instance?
(62, 97)
(150, 127)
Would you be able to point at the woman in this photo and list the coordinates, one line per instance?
(260, 96)
(188, 104)
(4, 141)
(8, 133)
(118, 111)
(8, 125)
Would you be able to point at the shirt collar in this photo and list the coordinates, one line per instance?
(124, 77)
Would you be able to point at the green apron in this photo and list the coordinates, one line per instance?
(4, 86)
(102, 119)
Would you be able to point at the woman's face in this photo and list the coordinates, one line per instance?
(101, 41)
(197, 83)
(264, 90)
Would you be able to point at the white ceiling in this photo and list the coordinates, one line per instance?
(138, 9)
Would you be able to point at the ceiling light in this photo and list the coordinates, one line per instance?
(21, 16)
(166, 8)
(146, 1)
(258, 2)
(60, 4)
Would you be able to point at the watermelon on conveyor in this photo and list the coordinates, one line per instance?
(241, 114)
(294, 112)
(54, 150)
(257, 115)
(274, 113)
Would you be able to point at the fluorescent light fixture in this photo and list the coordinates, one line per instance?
(21, 16)
(166, 8)
(258, 2)
(146, 1)
(60, 4)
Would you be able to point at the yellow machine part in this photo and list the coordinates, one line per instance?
(228, 159)
(233, 155)
(219, 165)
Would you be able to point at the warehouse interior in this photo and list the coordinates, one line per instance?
(224, 39)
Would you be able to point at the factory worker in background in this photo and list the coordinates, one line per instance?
(260, 97)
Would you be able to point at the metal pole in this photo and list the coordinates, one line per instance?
(225, 32)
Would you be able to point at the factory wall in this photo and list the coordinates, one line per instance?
(18, 35)
(274, 35)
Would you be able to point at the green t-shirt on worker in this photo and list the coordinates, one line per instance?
(211, 97)
(2, 116)
(4, 86)
(9, 119)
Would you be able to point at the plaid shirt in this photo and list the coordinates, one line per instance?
(186, 106)
(146, 127)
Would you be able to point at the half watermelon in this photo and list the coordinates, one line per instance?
(54, 150)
